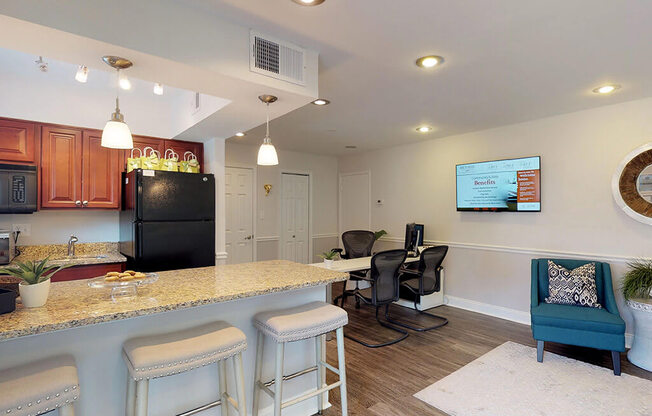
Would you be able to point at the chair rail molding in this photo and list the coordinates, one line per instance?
(326, 235)
(524, 250)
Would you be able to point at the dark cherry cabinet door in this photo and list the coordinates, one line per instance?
(100, 172)
(17, 141)
(181, 147)
(61, 167)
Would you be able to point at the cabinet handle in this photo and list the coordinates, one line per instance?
(85, 203)
(78, 203)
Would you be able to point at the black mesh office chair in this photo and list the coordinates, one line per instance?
(384, 280)
(357, 243)
(423, 281)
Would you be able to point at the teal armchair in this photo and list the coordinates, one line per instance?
(577, 325)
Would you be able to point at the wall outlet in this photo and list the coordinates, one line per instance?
(25, 229)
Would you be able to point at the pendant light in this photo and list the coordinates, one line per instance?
(116, 133)
(267, 153)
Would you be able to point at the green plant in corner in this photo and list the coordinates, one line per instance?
(328, 255)
(379, 234)
(32, 273)
(637, 282)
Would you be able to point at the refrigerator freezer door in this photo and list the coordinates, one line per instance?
(175, 196)
(173, 245)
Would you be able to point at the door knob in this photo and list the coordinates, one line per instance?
(85, 203)
(78, 203)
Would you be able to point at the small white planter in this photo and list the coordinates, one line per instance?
(33, 296)
(641, 352)
(328, 263)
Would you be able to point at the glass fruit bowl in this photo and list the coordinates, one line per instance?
(124, 288)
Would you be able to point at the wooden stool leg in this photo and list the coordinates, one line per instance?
(260, 344)
(131, 396)
(142, 389)
(278, 378)
(224, 407)
(238, 369)
(67, 410)
(318, 357)
(342, 367)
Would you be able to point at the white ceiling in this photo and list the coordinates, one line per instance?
(507, 61)
(90, 104)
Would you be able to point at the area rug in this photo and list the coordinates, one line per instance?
(508, 381)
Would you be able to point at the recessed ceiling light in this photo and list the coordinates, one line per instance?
(424, 129)
(606, 89)
(82, 74)
(309, 2)
(321, 101)
(429, 61)
(158, 89)
(240, 134)
(350, 147)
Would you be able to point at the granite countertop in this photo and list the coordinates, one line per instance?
(85, 253)
(74, 304)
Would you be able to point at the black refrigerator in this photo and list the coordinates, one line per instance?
(167, 220)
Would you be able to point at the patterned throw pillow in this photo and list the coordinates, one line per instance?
(572, 287)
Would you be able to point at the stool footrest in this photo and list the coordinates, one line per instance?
(209, 406)
(312, 394)
(291, 376)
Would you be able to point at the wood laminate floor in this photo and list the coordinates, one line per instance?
(381, 381)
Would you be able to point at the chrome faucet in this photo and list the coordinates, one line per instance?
(71, 245)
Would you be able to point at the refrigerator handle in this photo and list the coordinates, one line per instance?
(138, 240)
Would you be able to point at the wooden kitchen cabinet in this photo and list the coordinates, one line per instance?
(181, 147)
(76, 171)
(17, 141)
(87, 271)
(61, 167)
(141, 142)
(101, 169)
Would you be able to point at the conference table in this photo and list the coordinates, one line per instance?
(364, 263)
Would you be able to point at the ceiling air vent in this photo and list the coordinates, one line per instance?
(277, 59)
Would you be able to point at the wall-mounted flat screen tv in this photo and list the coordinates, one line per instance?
(512, 185)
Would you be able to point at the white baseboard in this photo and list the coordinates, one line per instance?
(509, 314)
(491, 310)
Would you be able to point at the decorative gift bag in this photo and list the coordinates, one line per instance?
(170, 161)
(151, 160)
(189, 164)
(134, 162)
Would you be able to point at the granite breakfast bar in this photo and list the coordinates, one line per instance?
(86, 323)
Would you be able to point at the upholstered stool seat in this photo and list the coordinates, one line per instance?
(39, 387)
(301, 322)
(166, 354)
(163, 355)
(312, 320)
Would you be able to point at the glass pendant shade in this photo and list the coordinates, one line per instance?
(267, 154)
(116, 135)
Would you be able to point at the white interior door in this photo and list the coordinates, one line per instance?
(238, 183)
(355, 198)
(295, 205)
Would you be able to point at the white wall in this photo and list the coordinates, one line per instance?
(324, 204)
(489, 260)
(55, 227)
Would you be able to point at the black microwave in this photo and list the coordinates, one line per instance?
(18, 189)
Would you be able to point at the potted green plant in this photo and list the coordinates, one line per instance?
(329, 257)
(379, 234)
(637, 290)
(34, 278)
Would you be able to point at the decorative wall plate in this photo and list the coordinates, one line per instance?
(624, 184)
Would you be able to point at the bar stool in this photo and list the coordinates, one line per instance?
(312, 320)
(164, 355)
(40, 387)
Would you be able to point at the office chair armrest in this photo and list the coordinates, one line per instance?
(410, 274)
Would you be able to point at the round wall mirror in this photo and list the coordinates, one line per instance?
(632, 184)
